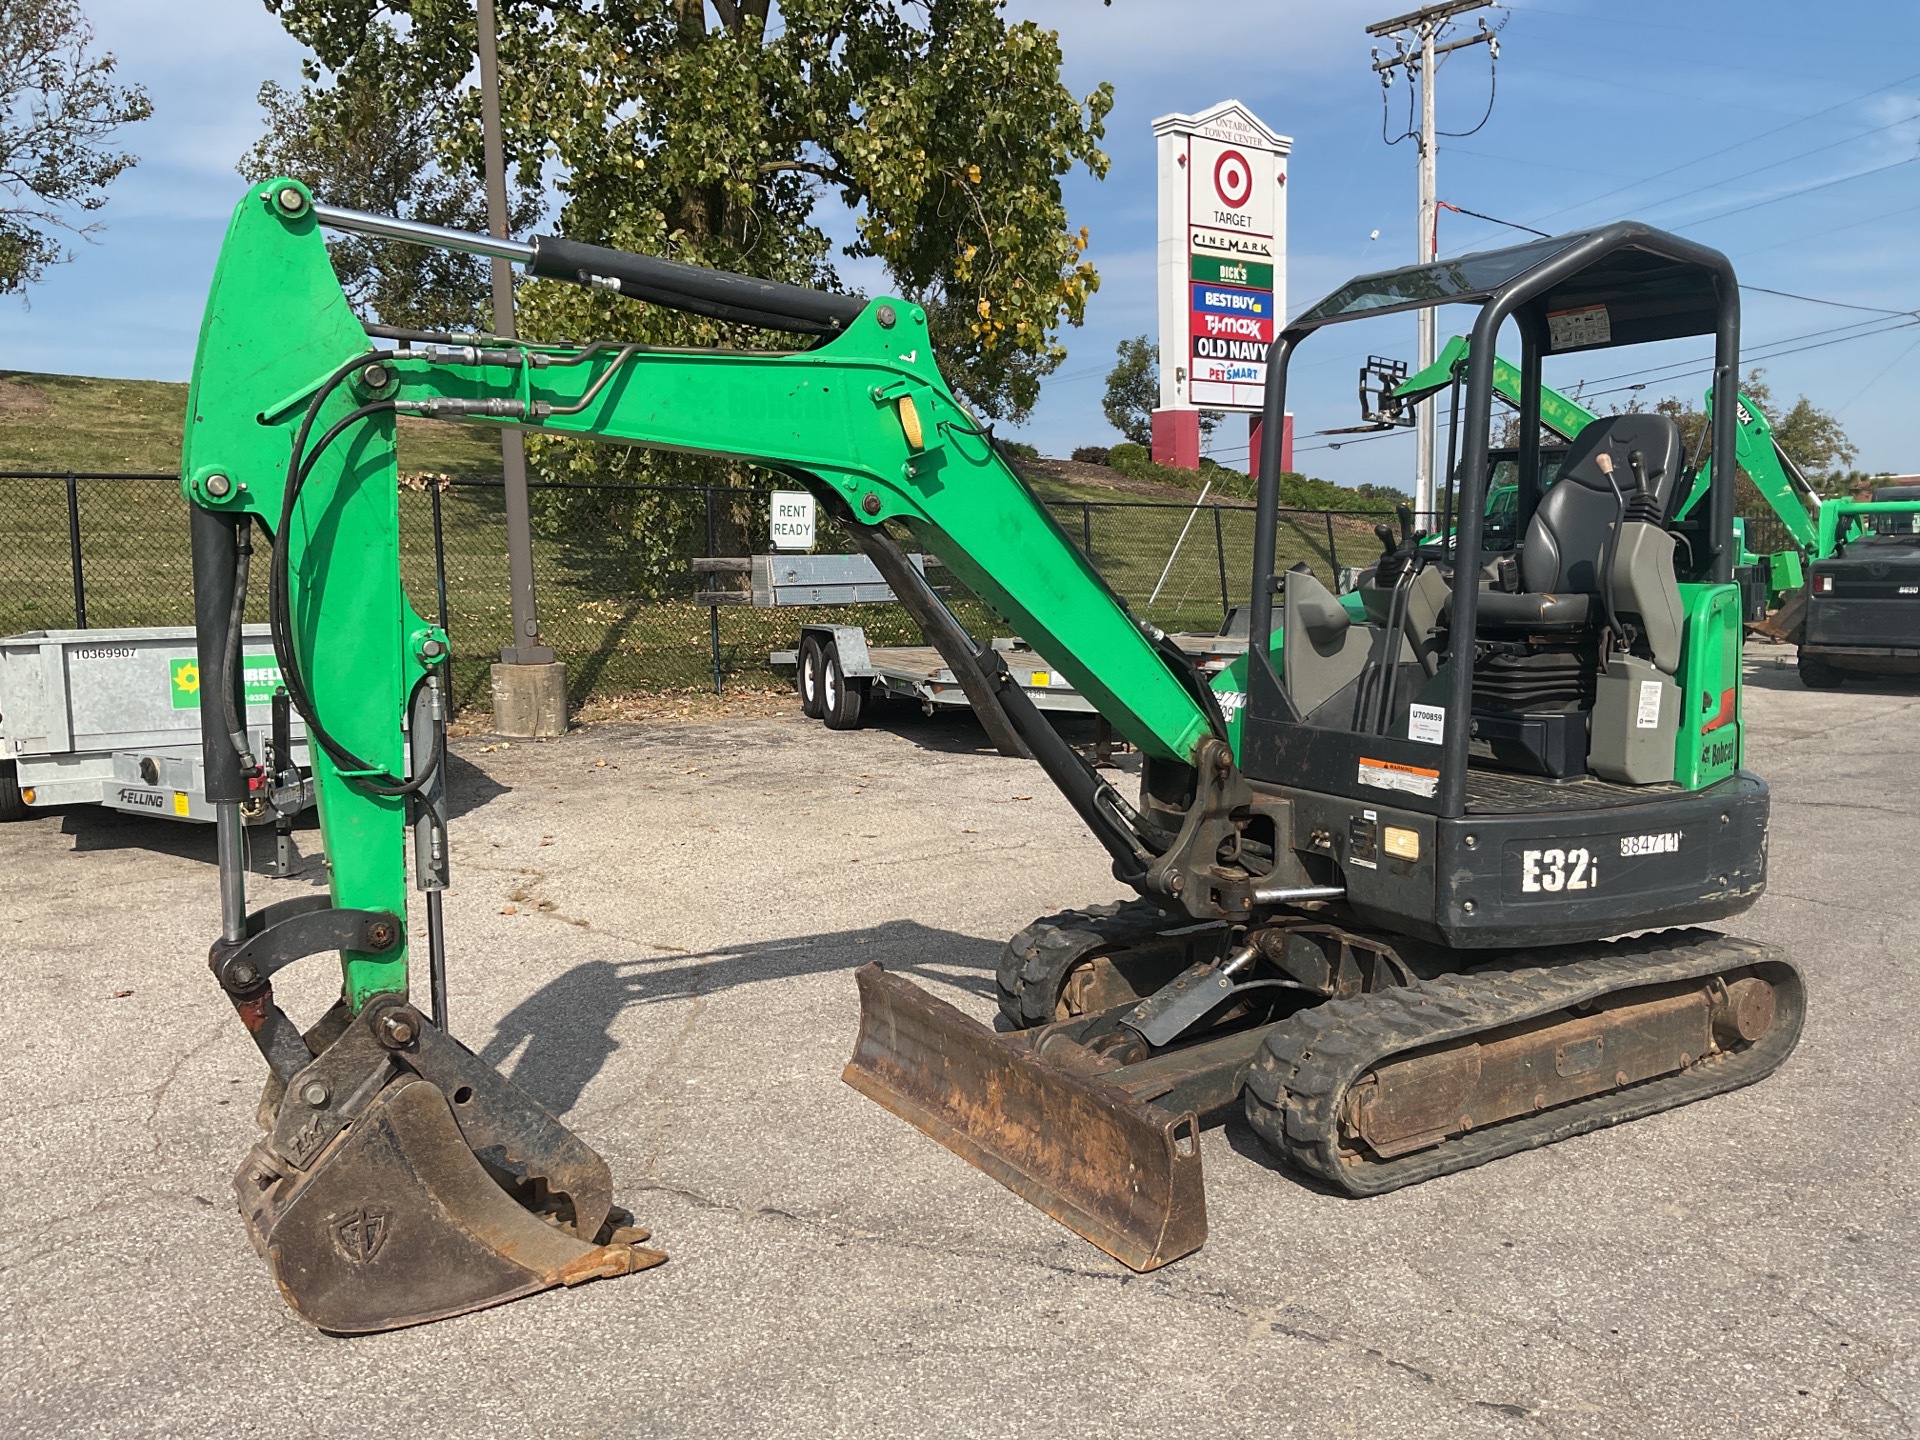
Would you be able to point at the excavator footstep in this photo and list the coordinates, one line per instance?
(398, 1223)
(1122, 1173)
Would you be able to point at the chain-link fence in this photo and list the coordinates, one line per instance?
(614, 570)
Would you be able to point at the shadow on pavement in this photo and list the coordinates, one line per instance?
(565, 1026)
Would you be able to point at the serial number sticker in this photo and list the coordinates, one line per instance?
(1408, 779)
(1649, 716)
(1664, 844)
(1426, 724)
(1570, 329)
(1230, 702)
(1554, 871)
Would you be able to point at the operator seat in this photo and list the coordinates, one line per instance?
(1567, 543)
(1537, 674)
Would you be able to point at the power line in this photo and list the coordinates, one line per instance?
(1856, 396)
(1795, 194)
(1776, 164)
(1491, 219)
(1830, 230)
(1725, 149)
(1816, 300)
(1707, 367)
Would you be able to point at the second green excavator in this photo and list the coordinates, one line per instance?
(1379, 864)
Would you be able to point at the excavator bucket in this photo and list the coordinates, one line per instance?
(404, 1180)
(1123, 1173)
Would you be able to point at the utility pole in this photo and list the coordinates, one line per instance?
(529, 683)
(1414, 36)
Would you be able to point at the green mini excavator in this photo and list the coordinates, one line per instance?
(1380, 864)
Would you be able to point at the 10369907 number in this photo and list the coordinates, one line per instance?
(1554, 871)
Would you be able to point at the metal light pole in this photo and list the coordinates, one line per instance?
(529, 683)
(1425, 26)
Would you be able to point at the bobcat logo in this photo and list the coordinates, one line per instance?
(359, 1234)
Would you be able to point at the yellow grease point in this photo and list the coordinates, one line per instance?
(910, 423)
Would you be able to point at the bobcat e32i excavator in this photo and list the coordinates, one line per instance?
(1379, 860)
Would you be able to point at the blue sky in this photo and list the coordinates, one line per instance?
(1713, 118)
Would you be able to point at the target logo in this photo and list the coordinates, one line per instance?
(1233, 179)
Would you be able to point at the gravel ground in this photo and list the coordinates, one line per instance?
(659, 947)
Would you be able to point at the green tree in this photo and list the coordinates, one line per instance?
(942, 127)
(59, 112)
(1133, 393)
(1811, 437)
(367, 142)
(1133, 390)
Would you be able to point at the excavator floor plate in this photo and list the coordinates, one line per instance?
(1122, 1172)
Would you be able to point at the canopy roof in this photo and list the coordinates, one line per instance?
(1621, 284)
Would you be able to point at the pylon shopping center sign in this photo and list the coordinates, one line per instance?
(1223, 256)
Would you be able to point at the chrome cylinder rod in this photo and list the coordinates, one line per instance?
(1288, 895)
(230, 846)
(439, 237)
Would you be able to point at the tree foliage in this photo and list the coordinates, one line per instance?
(368, 143)
(1811, 437)
(943, 128)
(1133, 390)
(59, 112)
(1133, 393)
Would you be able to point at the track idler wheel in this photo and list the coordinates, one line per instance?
(405, 1180)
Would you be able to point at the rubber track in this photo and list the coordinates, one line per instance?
(1296, 1088)
(1035, 963)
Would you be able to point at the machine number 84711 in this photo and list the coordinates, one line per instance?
(1554, 871)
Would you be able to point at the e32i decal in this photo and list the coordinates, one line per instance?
(1554, 871)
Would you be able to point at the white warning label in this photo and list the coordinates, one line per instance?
(1649, 716)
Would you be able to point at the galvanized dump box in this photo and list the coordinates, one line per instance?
(112, 717)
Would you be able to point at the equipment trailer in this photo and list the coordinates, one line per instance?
(111, 718)
(1379, 857)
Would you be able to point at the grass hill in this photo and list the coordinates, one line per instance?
(76, 422)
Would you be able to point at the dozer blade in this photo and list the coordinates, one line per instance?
(372, 1208)
(1122, 1173)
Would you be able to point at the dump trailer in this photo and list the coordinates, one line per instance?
(1863, 597)
(1380, 862)
(111, 717)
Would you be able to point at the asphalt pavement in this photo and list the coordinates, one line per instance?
(653, 930)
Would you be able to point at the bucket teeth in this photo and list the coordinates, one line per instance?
(398, 1223)
(408, 1181)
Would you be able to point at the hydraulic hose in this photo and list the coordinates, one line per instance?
(236, 617)
(359, 772)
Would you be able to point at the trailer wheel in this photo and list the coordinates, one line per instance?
(12, 806)
(808, 679)
(1817, 674)
(842, 700)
